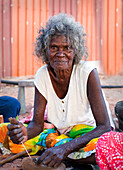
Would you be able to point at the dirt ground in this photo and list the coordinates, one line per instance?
(113, 95)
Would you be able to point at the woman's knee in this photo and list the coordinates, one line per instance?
(16, 103)
(9, 107)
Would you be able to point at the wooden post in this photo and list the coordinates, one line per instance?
(21, 93)
(21, 98)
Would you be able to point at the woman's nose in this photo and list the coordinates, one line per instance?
(60, 53)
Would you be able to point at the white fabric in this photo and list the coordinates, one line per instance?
(74, 108)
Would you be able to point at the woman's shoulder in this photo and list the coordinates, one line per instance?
(42, 69)
(85, 66)
(41, 73)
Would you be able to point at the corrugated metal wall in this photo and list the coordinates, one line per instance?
(111, 33)
(20, 20)
(27, 17)
(103, 22)
(19, 23)
(5, 38)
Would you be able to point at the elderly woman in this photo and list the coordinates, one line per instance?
(71, 89)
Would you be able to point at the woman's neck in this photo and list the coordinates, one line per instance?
(60, 75)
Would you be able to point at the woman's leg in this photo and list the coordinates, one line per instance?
(9, 107)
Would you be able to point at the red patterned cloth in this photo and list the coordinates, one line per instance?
(109, 151)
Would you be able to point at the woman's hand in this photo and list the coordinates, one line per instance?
(17, 131)
(53, 157)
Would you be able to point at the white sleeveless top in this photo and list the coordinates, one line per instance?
(74, 108)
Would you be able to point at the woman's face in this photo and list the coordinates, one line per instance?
(60, 53)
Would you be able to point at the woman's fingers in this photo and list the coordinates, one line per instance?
(17, 131)
(24, 139)
(21, 139)
(16, 135)
(13, 120)
(54, 163)
(57, 164)
(51, 163)
(19, 135)
(12, 126)
(41, 158)
(14, 131)
(49, 159)
(16, 140)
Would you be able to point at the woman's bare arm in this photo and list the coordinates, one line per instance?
(97, 103)
(36, 125)
(18, 132)
(99, 111)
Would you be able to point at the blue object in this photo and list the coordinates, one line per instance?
(43, 135)
(63, 141)
(9, 107)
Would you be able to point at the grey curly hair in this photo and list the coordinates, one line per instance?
(61, 24)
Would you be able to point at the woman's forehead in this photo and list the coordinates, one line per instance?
(60, 39)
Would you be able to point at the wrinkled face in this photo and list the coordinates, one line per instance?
(60, 53)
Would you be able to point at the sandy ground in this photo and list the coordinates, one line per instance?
(113, 95)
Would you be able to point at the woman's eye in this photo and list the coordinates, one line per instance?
(53, 48)
(68, 48)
